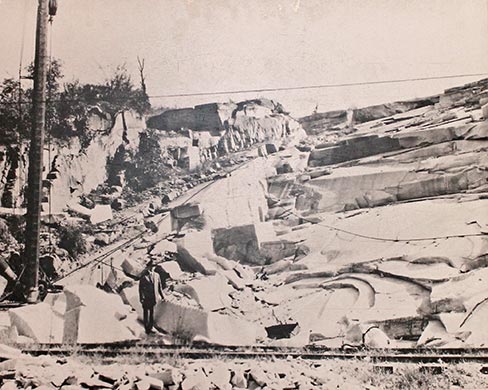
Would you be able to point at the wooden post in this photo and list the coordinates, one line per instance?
(34, 182)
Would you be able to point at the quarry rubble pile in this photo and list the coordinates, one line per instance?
(371, 233)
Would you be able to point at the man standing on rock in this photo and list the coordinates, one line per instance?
(150, 287)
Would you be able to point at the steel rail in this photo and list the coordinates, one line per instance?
(155, 351)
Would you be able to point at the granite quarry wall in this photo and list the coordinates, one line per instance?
(184, 138)
(373, 238)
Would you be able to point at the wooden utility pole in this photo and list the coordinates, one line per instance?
(34, 182)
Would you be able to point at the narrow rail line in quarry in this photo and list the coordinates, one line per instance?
(154, 351)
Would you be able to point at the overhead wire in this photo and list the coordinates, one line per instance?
(48, 130)
(296, 88)
(386, 239)
(19, 102)
(100, 259)
(318, 86)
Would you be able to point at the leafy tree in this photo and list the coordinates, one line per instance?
(67, 106)
(119, 94)
(16, 103)
(54, 75)
(115, 96)
(14, 117)
(148, 166)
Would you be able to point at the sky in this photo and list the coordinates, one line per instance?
(194, 46)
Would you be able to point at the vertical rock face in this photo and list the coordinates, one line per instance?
(239, 199)
(225, 127)
(112, 147)
(12, 162)
(352, 149)
(72, 167)
(206, 117)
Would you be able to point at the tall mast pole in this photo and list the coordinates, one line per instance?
(34, 181)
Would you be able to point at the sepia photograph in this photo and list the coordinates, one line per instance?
(232, 195)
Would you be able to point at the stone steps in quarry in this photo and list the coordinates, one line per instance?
(374, 237)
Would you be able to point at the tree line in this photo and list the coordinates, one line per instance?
(68, 104)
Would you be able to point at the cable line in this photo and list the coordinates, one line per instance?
(100, 259)
(306, 87)
(19, 108)
(319, 86)
(385, 239)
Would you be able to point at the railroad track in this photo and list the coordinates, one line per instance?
(156, 351)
